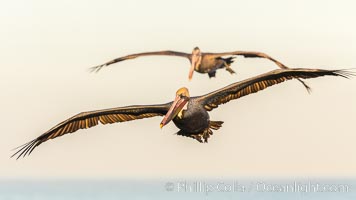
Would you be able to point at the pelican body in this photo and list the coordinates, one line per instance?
(209, 63)
(194, 119)
(189, 114)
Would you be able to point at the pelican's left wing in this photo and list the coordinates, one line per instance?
(86, 120)
(255, 54)
(250, 54)
(257, 83)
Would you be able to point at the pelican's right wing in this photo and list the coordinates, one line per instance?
(132, 56)
(86, 120)
(257, 83)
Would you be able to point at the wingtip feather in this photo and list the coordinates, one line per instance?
(25, 149)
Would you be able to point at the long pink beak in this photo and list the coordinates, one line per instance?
(192, 67)
(173, 111)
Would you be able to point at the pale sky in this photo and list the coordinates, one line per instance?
(47, 47)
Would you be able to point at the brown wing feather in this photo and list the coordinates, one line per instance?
(255, 84)
(86, 120)
(132, 56)
(255, 54)
(251, 54)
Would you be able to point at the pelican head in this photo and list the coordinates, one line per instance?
(182, 98)
(196, 60)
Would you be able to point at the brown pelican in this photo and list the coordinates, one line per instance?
(202, 62)
(189, 114)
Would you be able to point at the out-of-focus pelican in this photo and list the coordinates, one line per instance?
(189, 114)
(203, 62)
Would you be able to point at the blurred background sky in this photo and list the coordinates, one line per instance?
(47, 47)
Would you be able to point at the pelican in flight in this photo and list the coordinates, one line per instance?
(202, 62)
(189, 114)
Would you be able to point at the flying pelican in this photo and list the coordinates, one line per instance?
(189, 114)
(202, 62)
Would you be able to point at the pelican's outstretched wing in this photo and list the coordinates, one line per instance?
(89, 119)
(255, 54)
(257, 83)
(250, 54)
(132, 56)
